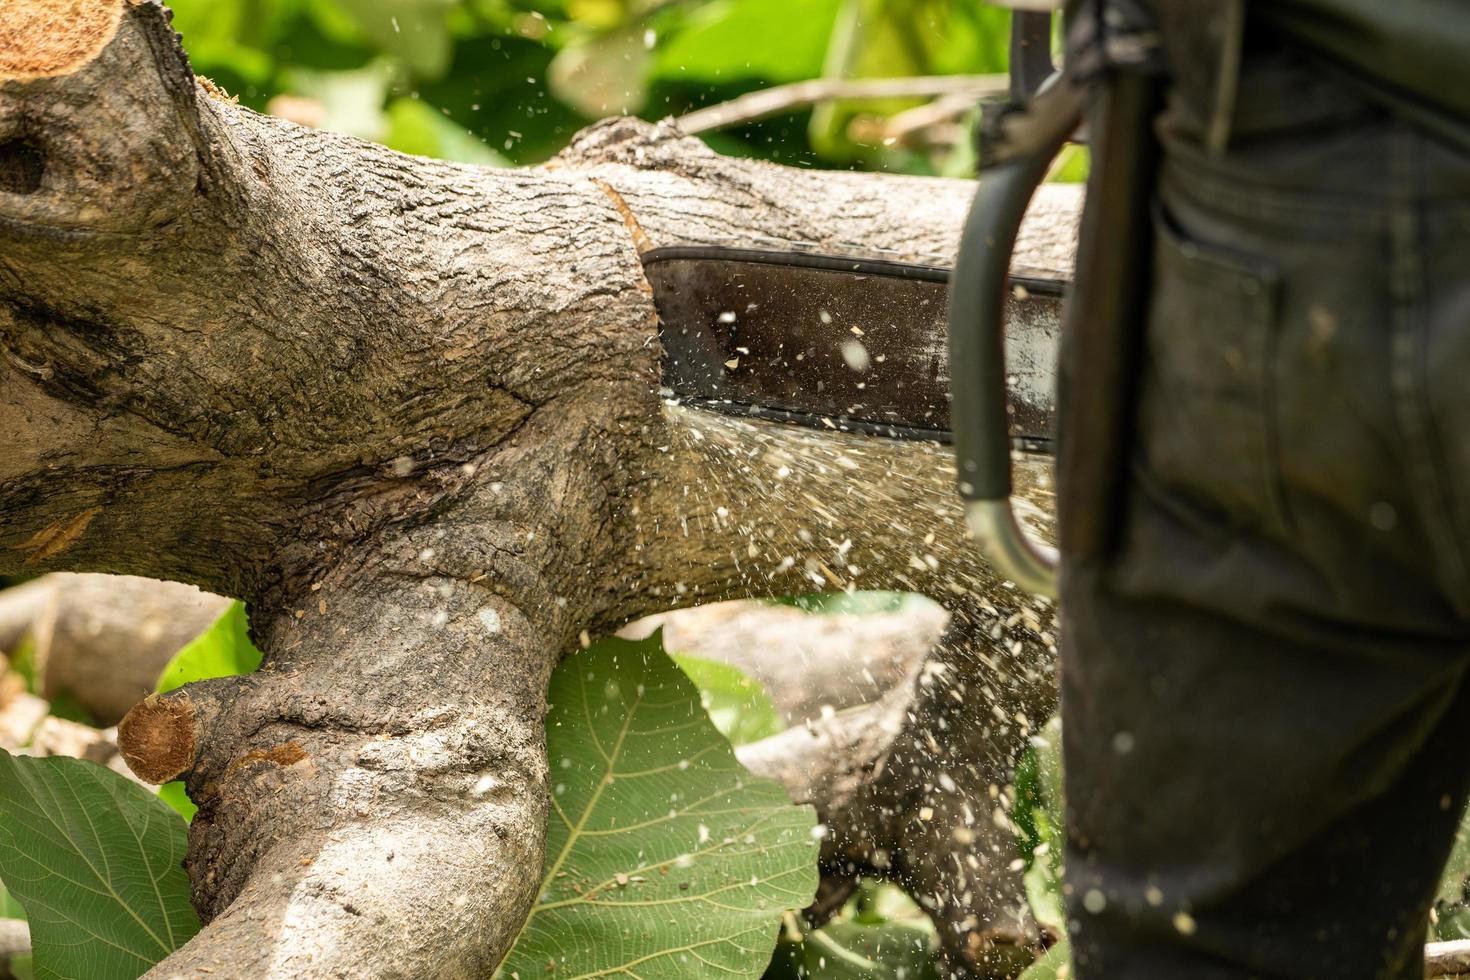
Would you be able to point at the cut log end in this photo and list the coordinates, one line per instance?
(159, 738)
(41, 38)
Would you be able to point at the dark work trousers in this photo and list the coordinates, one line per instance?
(1265, 695)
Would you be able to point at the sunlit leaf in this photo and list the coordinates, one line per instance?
(419, 128)
(9, 907)
(1038, 818)
(95, 859)
(223, 650)
(174, 794)
(665, 857)
(1055, 965)
(736, 702)
(766, 39)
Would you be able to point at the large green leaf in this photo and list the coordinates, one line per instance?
(737, 704)
(1055, 965)
(765, 39)
(665, 858)
(94, 859)
(223, 650)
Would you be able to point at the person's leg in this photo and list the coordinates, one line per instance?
(1265, 706)
(1226, 808)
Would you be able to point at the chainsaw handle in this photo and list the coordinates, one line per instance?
(980, 421)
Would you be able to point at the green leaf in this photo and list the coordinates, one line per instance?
(735, 701)
(95, 860)
(728, 40)
(1038, 817)
(174, 794)
(9, 907)
(665, 858)
(417, 127)
(854, 951)
(1055, 965)
(1457, 869)
(223, 650)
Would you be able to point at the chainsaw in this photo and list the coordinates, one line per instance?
(967, 354)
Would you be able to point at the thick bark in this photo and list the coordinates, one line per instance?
(410, 412)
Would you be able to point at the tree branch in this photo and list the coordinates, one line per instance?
(798, 95)
(409, 412)
(1447, 959)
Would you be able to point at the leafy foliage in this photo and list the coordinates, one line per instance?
(1038, 816)
(665, 857)
(494, 81)
(223, 650)
(94, 859)
(737, 704)
(880, 935)
(1056, 964)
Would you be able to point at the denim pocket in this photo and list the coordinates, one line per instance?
(1206, 410)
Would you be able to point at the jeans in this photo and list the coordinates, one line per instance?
(1265, 704)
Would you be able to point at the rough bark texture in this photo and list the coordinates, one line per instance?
(410, 412)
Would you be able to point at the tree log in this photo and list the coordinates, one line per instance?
(410, 411)
(810, 664)
(103, 640)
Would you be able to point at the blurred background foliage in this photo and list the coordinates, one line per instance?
(506, 82)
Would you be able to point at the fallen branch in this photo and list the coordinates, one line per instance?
(1447, 959)
(809, 664)
(102, 640)
(797, 95)
(15, 940)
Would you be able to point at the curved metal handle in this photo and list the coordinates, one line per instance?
(977, 365)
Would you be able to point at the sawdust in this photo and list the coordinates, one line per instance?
(40, 38)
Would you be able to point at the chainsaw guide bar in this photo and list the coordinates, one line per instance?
(851, 343)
